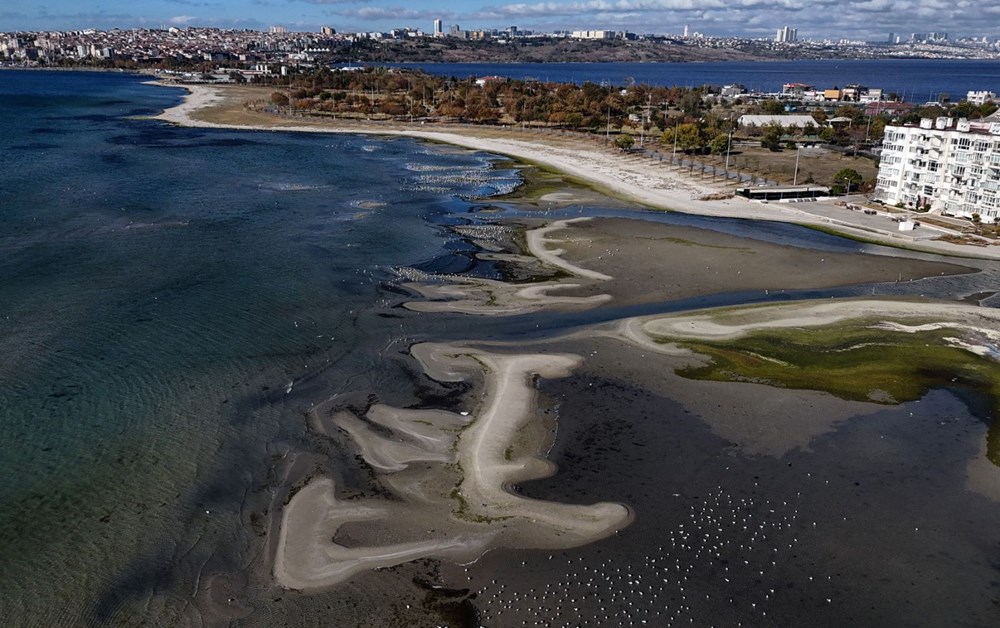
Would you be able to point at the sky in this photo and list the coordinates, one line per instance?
(814, 19)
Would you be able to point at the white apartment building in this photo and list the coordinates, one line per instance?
(952, 167)
(980, 97)
(593, 35)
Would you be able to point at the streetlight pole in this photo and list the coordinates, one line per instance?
(729, 146)
(795, 177)
(673, 157)
(645, 121)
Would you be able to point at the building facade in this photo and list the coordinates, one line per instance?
(786, 35)
(980, 97)
(593, 35)
(946, 166)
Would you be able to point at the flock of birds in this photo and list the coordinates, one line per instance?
(724, 564)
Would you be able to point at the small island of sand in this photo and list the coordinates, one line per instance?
(451, 476)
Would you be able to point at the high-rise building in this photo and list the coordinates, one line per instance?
(686, 30)
(438, 29)
(786, 35)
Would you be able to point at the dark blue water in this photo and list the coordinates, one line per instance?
(916, 80)
(161, 290)
(171, 303)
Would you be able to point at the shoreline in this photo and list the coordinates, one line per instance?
(450, 473)
(631, 178)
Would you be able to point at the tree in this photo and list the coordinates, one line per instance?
(574, 119)
(280, 99)
(771, 139)
(846, 180)
(850, 111)
(690, 103)
(689, 137)
(625, 142)
(772, 107)
(720, 143)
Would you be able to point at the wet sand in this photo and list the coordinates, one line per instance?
(731, 503)
(622, 261)
(449, 474)
(454, 476)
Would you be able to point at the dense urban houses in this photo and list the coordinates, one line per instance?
(943, 165)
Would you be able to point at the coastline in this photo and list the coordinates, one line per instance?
(632, 178)
(461, 499)
(466, 497)
(237, 368)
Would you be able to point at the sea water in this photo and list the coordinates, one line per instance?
(163, 292)
(914, 80)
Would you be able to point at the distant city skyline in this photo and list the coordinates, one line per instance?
(872, 20)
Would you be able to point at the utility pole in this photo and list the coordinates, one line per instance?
(607, 133)
(645, 121)
(795, 177)
(729, 144)
(673, 157)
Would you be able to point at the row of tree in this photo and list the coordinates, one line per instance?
(689, 119)
(378, 91)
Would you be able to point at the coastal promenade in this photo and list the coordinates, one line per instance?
(649, 182)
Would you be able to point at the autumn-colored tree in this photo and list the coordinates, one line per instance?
(625, 142)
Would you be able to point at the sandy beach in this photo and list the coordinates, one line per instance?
(644, 181)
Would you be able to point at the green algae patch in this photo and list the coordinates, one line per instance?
(853, 361)
(537, 181)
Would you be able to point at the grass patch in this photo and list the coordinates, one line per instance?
(538, 181)
(852, 361)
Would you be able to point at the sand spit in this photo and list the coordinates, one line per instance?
(471, 295)
(730, 323)
(450, 475)
(539, 238)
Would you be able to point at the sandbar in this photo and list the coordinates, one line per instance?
(451, 476)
